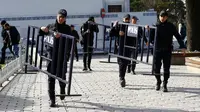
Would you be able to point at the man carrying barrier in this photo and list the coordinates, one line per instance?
(87, 32)
(128, 45)
(56, 66)
(132, 65)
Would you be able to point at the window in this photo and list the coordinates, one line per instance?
(114, 8)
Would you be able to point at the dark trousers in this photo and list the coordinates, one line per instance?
(3, 51)
(87, 57)
(165, 57)
(132, 64)
(76, 51)
(87, 52)
(51, 83)
(122, 67)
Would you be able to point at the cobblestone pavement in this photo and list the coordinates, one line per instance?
(101, 91)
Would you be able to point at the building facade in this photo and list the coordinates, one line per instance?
(22, 13)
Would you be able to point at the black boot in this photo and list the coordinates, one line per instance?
(77, 59)
(89, 63)
(85, 67)
(165, 86)
(129, 69)
(133, 68)
(85, 62)
(122, 82)
(158, 78)
(89, 60)
(53, 103)
(62, 93)
(158, 85)
(52, 98)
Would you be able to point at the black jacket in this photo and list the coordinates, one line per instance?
(3, 33)
(88, 37)
(130, 41)
(75, 34)
(14, 35)
(61, 28)
(165, 33)
(5, 36)
(56, 53)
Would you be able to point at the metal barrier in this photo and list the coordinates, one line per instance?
(12, 67)
(37, 53)
(132, 31)
(103, 43)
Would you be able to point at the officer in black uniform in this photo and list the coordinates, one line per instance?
(58, 48)
(119, 30)
(163, 51)
(132, 65)
(75, 34)
(87, 32)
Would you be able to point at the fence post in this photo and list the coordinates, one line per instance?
(71, 68)
(37, 45)
(110, 47)
(32, 45)
(41, 53)
(142, 46)
(96, 40)
(154, 51)
(104, 33)
(20, 55)
(27, 47)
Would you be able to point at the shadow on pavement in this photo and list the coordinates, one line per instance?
(139, 87)
(112, 108)
(195, 91)
(173, 74)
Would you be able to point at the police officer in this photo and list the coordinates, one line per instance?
(123, 63)
(87, 32)
(163, 51)
(75, 34)
(132, 65)
(57, 60)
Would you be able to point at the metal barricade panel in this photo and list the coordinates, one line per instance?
(140, 49)
(36, 53)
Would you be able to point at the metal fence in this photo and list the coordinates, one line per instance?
(13, 66)
(36, 54)
(137, 49)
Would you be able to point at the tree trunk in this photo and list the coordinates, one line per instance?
(193, 23)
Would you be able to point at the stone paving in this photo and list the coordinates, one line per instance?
(101, 91)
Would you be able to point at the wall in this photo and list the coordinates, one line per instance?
(48, 7)
(27, 12)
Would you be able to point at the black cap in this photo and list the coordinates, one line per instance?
(3, 22)
(62, 12)
(135, 17)
(91, 19)
(72, 25)
(163, 13)
(127, 16)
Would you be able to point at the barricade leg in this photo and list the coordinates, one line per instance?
(27, 48)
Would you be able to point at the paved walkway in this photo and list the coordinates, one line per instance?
(101, 92)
